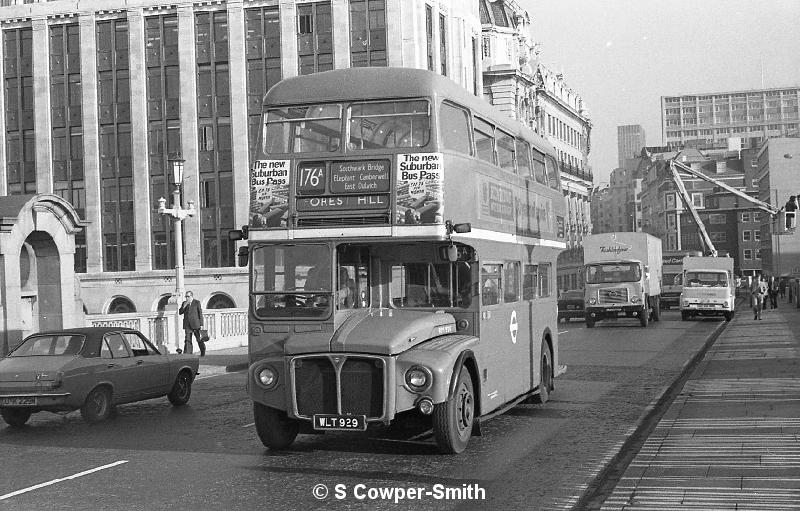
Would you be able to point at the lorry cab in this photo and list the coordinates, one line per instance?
(708, 287)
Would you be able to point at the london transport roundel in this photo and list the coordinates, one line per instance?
(513, 327)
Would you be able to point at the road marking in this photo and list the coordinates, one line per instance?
(248, 425)
(54, 481)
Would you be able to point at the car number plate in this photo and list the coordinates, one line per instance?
(613, 310)
(18, 401)
(340, 422)
(572, 307)
(707, 306)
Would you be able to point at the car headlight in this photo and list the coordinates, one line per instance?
(592, 301)
(267, 377)
(418, 379)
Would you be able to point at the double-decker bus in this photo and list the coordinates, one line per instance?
(402, 245)
(672, 268)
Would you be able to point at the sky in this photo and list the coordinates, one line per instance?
(621, 56)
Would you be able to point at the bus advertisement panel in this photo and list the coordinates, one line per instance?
(401, 262)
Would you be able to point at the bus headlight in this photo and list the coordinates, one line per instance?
(267, 377)
(592, 301)
(634, 299)
(418, 379)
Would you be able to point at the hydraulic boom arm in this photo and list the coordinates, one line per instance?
(675, 165)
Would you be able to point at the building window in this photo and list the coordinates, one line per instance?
(756, 235)
(758, 253)
(263, 61)
(314, 39)
(486, 46)
(121, 305)
(18, 88)
(214, 133)
(116, 174)
(756, 216)
(367, 33)
(443, 43)
(747, 236)
(748, 254)
(67, 129)
(163, 127)
(697, 199)
(429, 35)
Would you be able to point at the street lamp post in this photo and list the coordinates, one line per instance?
(179, 214)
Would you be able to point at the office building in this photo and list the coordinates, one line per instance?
(729, 120)
(630, 141)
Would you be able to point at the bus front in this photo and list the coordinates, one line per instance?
(351, 268)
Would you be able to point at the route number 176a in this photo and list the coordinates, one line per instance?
(311, 179)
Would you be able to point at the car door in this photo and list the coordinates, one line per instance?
(120, 367)
(152, 368)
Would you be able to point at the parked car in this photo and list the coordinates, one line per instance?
(91, 370)
(570, 305)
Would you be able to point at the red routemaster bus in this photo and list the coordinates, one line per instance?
(402, 246)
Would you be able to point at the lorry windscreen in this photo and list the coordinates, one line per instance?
(706, 279)
(613, 272)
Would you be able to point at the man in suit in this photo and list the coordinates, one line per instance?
(192, 323)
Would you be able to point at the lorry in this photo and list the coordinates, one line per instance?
(672, 276)
(622, 276)
(708, 287)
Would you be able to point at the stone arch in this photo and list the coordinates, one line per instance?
(37, 252)
(119, 304)
(160, 305)
(217, 300)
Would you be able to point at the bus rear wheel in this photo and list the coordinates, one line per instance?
(545, 376)
(275, 429)
(729, 316)
(452, 420)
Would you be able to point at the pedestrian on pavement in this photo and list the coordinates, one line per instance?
(192, 323)
(782, 287)
(772, 287)
(758, 293)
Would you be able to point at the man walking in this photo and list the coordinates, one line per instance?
(773, 292)
(192, 323)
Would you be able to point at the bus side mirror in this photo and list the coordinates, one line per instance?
(243, 256)
(239, 234)
(462, 228)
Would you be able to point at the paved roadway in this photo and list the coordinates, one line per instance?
(207, 456)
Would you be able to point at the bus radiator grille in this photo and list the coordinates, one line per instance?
(315, 384)
(362, 387)
(360, 384)
(613, 295)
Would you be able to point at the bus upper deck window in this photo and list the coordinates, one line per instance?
(388, 124)
(303, 129)
(454, 128)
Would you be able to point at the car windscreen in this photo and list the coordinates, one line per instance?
(613, 272)
(49, 345)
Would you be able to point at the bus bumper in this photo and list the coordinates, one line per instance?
(624, 311)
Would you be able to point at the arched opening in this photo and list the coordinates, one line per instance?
(40, 284)
(220, 301)
(162, 303)
(121, 305)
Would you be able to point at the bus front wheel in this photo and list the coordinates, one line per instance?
(274, 428)
(452, 420)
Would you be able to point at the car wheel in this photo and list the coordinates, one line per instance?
(15, 417)
(452, 420)
(275, 429)
(728, 316)
(181, 389)
(97, 406)
(545, 376)
(684, 316)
